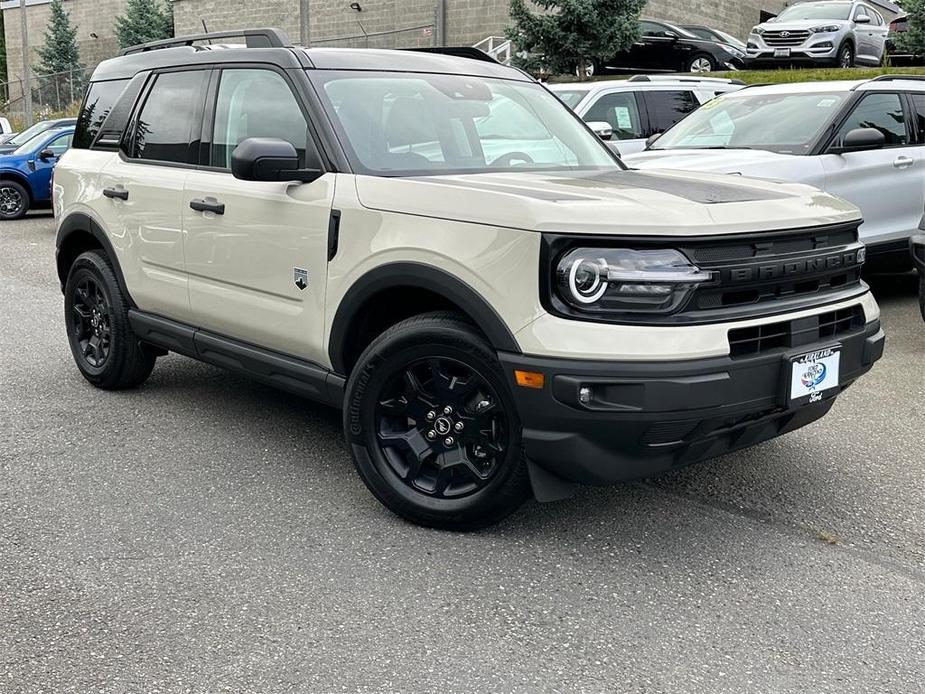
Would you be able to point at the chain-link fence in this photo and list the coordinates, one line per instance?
(55, 95)
(409, 37)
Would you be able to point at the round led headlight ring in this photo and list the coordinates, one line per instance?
(584, 280)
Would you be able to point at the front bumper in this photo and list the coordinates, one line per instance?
(917, 245)
(646, 418)
(821, 49)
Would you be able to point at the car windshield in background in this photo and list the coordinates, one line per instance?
(27, 134)
(572, 97)
(827, 10)
(409, 124)
(784, 123)
(32, 143)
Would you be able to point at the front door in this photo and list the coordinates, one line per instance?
(256, 252)
(888, 183)
(44, 165)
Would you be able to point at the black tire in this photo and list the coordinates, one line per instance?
(922, 293)
(845, 56)
(102, 342)
(702, 62)
(429, 363)
(14, 200)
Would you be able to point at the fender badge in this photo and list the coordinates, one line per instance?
(300, 277)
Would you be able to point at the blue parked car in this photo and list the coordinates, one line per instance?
(25, 173)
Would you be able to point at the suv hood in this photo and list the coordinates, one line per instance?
(626, 202)
(712, 160)
(802, 24)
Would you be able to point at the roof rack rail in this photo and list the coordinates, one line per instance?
(253, 38)
(893, 78)
(457, 51)
(683, 78)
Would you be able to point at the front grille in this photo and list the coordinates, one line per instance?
(783, 38)
(766, 269)
(747, 342)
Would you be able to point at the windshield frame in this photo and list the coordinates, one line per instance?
(811, 147)
(319, 78)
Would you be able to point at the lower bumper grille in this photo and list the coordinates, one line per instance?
(746, 342)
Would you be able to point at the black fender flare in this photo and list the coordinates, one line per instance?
(419, 275)
(80, 223)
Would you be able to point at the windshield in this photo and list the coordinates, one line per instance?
(572, 97)
(32, 144)
(822, 10)
(785, 123)
(27, 134)
(409, 124)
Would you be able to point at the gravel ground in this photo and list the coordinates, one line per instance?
(208, 534)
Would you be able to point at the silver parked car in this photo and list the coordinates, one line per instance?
(827, 33)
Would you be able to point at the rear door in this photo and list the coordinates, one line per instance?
(625, 114)
(888, 184)
(142, 188)
(258, 260)
(665, 107)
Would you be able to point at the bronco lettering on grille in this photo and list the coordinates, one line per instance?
(790, 268)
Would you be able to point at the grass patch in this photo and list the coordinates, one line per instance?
(788, 75)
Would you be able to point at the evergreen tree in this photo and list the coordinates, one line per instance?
(143, 21)
(59, 56)
(913, 40)
(565, 35)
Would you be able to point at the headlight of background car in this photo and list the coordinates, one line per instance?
(827, 29)
(757, 30)
(621, 280)
(733, 51)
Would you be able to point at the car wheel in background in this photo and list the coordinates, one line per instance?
(590, 70)
(846, 56)
(432, 425)
(14, 200)
(102, 341)
(701, 63)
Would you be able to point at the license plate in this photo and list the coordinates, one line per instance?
(812, 374)
(781, 52)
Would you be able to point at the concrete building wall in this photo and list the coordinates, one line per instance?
(221, 15)
(736, 17)
(89, 16)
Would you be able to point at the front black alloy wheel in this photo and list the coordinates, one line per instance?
(432, 425)
(846, 56)
(14, 200)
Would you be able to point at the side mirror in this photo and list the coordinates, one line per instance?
(46, 154)
(862, 19)
(270, 159)
(860, 140)
(652, 139)
(601, 129)
(671, 35)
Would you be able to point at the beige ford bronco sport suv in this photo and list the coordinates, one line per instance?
(435, 243)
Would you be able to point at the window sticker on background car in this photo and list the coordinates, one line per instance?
(827, 103)
(624, 122)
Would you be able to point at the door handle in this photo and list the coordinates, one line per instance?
(903, 162)
(117, 193)
(207, 205)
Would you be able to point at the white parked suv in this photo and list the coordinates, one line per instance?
(833, 32)
(437, 245)
(637, 108)
(861, 140)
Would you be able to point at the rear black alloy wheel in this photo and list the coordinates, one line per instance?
(432, 425)
(92, 322)
(441, 428)
(14, 200)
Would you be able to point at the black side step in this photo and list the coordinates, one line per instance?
(285, 372)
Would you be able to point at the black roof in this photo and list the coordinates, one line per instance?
(272, 46)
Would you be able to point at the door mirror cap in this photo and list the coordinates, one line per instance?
(601, 129)
(861, 139)
(671, 35)
(270, 159)
(862, 19)
(46, 154)
(652, 139)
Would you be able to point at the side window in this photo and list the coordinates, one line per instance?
(883, 112)
(101, 97)
(621, 110)
(651, 29)
(668, 107)
(60, 144)
(918, 101)
(170, 119)
(255, 103)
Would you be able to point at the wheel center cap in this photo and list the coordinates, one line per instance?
(443, 426)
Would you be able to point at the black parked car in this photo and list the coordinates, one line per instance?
(664, 47)
(918, 257)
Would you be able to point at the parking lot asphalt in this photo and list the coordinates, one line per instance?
(206, 534)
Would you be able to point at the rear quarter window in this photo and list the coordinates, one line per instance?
(99, 101)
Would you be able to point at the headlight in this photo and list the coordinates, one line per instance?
(621, 280)
(827, 29)
(733, 51)
(757, 30)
